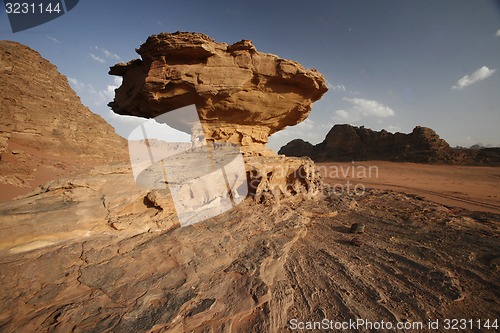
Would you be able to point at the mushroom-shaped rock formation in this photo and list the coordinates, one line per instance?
(242, 95)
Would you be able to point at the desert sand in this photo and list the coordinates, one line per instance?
(472, 187)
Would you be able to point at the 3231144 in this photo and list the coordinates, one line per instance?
(466, 324)
(32, 8)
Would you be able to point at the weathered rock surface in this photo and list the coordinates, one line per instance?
(98, 254)
(272, 178)
(242, 95)
(423, 145)
(45, 131)
(297, 148)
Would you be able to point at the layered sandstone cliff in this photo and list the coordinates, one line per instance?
(423, 145)
(45, 131)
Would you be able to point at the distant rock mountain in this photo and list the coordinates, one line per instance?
(45, 131)
(422, 145)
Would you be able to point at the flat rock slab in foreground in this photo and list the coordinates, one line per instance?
(251, 269)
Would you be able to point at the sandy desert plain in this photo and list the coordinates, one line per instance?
(469, 187)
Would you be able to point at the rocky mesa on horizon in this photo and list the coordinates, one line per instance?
(350, 143)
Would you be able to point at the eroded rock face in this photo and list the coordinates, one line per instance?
(45, 131)
(346, 143)
(242, 95)
(297, 147)
(276, 177)
(98, 254)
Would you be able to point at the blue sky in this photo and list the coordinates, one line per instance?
(390, 64)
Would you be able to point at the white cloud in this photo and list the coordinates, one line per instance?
(343, 115)
(77, 85)
(498, 33)
(110, 55)
(106, 54)
(362, 108)
(96, 58)
(333, 87)
(54, 39)
(108, 94)
(392, 128)
(126, 119)
(339, 87)
(307, 124)
(98, 97)
(301, 130)
(478, 75)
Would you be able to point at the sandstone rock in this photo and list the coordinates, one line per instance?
(205, 179)
(346, 143)
(65, 268)
(297, 148)
(4, 138)
(242, 95)
(101, 203)
(422, 145)
(276, 177)
(44, 118)
(357, 228)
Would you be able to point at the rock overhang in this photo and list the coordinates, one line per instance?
(242, 95)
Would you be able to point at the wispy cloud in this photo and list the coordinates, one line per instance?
(341, 88)
(301, 130)
(99, 97)
(54, 39)
(393, 128)
(478, 75)
(110, 55)
(100, 54)
(96, 58)
(76, 84)
(498, 33)
(362, 108)
(338, 87)
(108, 94)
